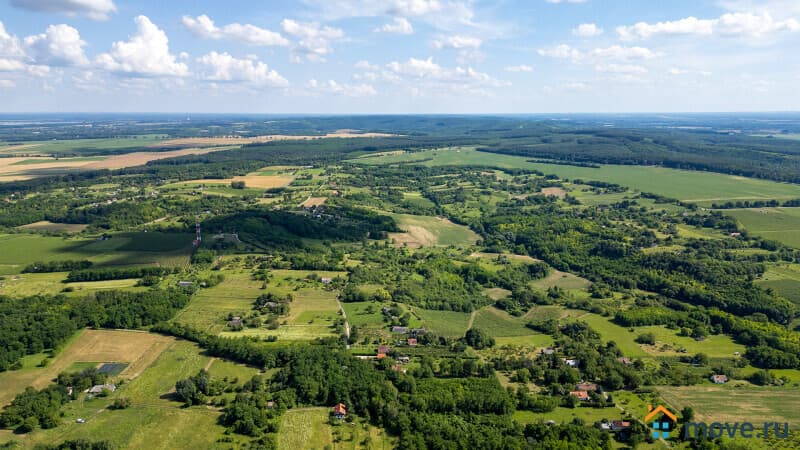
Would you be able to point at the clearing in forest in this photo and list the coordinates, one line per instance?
(427, 231)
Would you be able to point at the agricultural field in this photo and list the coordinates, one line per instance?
(563, 280)
(21, 168)
(154, 420)
(310, 428)
(137, 349)
(47, 226)
(777, 224)
(696, 187)
(78, 146)
(784, 279)
(19, 250)
(424, 231)
(499, 323)
(52, 283)
(734, 402)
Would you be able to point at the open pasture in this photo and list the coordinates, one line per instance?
(28, 284)
(310, 428)
(444, 323)
(700, 187)
(19, 250)
(499, 323)
(239, 140)
(24, 168)
(81, 146)
(46, 225)
(426, 231)
(784, 279)
(734, 403)
(154, 419)
(564, 280)
(250, 181)
(209, 308)
(137, 349)
(778, 224)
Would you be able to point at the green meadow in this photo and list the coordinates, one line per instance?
(700, 187)
(778, 224)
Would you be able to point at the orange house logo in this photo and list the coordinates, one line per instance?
(661, 427)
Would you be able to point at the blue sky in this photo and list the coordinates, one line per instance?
(399, 56)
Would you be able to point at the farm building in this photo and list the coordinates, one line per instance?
(400, 330)
(340, 411)
(99, 388)
(586, 387)
(235, 322)
(581, 395)
(185, 283)
(719, 379)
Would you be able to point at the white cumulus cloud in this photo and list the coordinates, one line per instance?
(614, 52)
(314, 41)
(60, 45)
(587, 30)
(346, 89)
(202, 26)
(519, 68)
(94, 9)
(224, 67)
(400, 25)
(145, 53)
(738, 24)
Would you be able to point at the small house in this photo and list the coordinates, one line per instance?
(572, 362)
(586, 387)
(340, 411)
(580, 395)
(326, 280)
(403, 359)
(381, 355)
(398, 368)
(412, 342)
(270, 405)
(548, 351)
(719, 379)
(236, 322)
(625, 360)
(383, 349)
(400, 330)
(417, 331)
(99, 388)
(185, 283)
(619, 425)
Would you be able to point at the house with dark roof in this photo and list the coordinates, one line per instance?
(400, 330)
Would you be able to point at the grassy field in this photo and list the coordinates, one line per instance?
(784, 279)
(309, 428)
(46, 225)
(499, 323)
(138, 349)
(680, 184)
(425, 231)
(445, 323)
(312, 312)
(730, 403)
(153, 420)
(83, 145)
(28, 284)
(563, 280)
(209, 308)
(20, 250)
(717, 346)
(778, 224)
